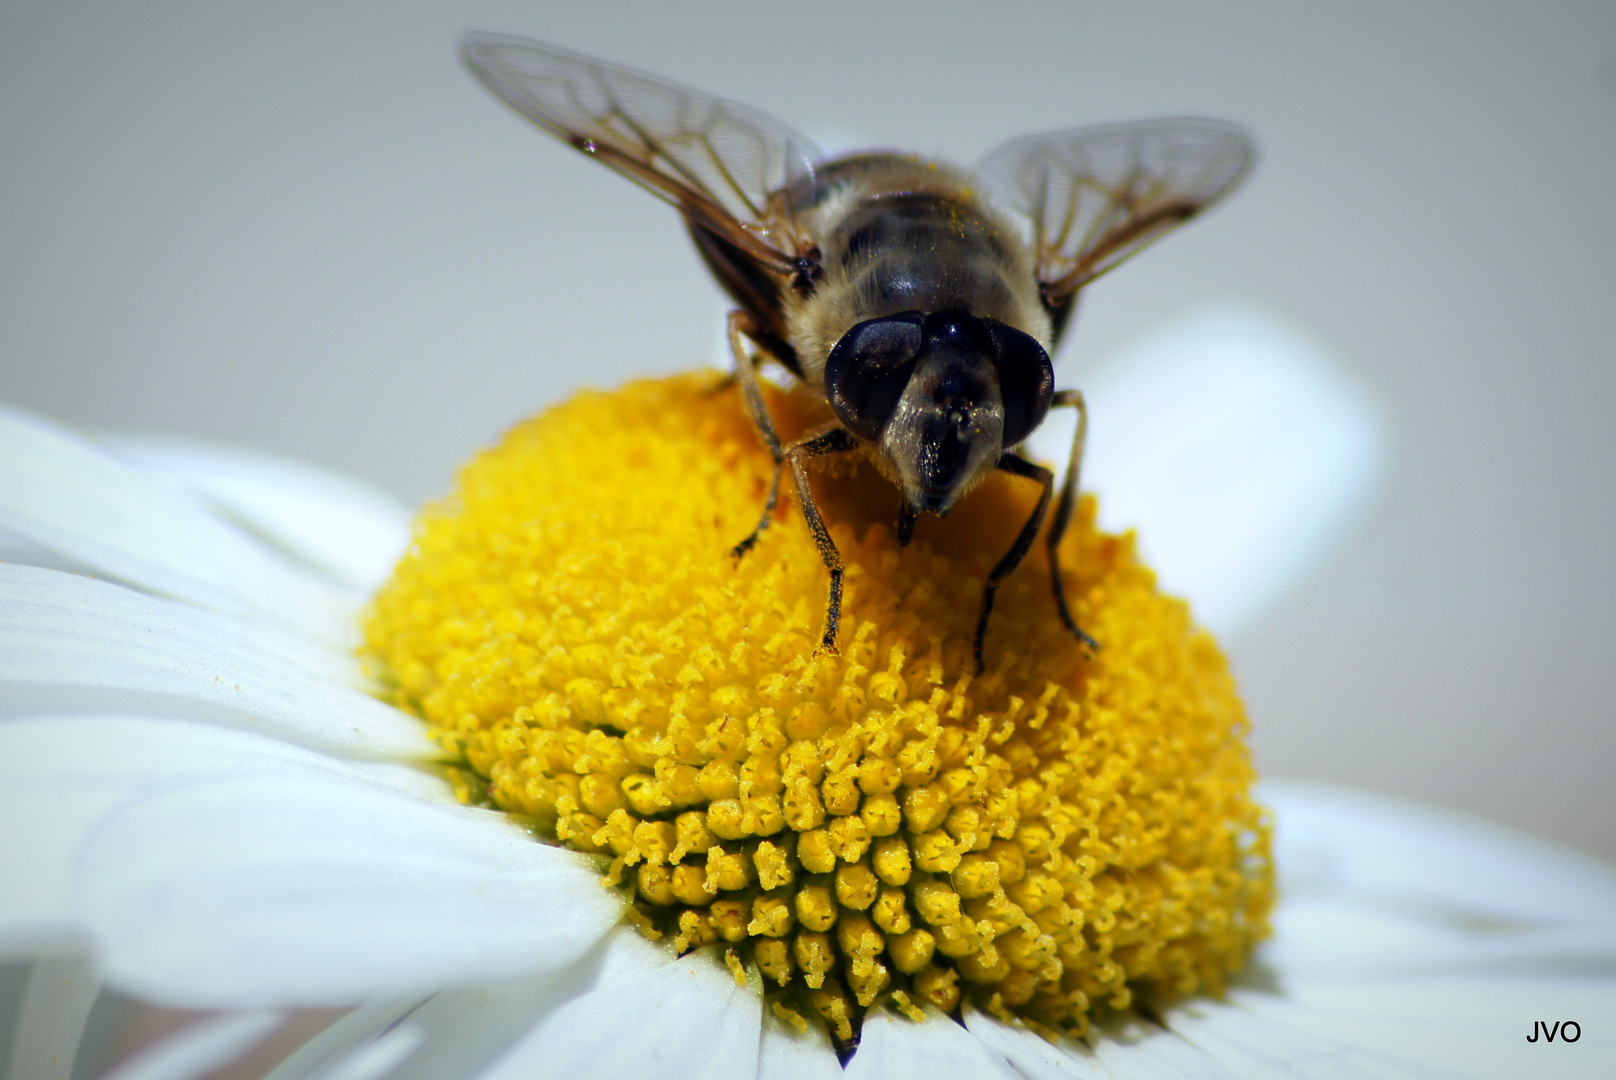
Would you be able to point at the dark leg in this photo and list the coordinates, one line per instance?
(835, 441)
(1063, 509)
(769, 504)
(741, 328)
(1015, 466)
(741, 325)
(906, 521)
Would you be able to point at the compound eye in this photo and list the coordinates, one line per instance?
(1026, 380)
(868, 369)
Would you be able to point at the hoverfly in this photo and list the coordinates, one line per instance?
(921, 300)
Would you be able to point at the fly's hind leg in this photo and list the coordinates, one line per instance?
(1063, 509)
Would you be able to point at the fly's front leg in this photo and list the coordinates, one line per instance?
(1063, 509)
(836, 440)
(1015, 465)
(741, 328)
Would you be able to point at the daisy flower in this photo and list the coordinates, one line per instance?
(580, 800)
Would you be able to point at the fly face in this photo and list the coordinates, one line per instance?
(886, 283)
(947, 430)
(940, 395)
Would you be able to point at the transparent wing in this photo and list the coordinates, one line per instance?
(718, 161)
(1096, 195)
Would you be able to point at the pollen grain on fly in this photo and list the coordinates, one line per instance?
(1049, 837)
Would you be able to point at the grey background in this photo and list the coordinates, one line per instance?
(300, 226)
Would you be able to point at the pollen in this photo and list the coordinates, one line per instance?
(1051, 837)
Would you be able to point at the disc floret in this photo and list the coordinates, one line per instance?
(1056, 834)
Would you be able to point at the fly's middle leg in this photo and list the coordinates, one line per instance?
(829, 440)
(835, 440)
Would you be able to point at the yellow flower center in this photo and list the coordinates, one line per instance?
(1050, 835)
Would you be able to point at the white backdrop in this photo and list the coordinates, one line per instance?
(301, 226)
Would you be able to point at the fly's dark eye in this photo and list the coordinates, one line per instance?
(868, 369)
(1026, 380)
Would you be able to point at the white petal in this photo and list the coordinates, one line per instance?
(268, 890)
(893, 1047)
(81, 593)
(65, 495)
(422, 780)
(1032, 1055)
(55, 1006)
(23, 551)
(347, 1038)
(787, 1055)
(1239, 451)
(1375, 884)
(214, 868)
(686, 1019)
(1396, 937)
(60, 778)
(69, 643)
(199, 1049)
(1127, 1048)
(351, 531)
(626, 957)
(379, 1058)
(1435, 1027)
(454, 1032)
(1255, 1036)
(1338, 839)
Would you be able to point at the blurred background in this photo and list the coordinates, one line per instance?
(302, 227)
